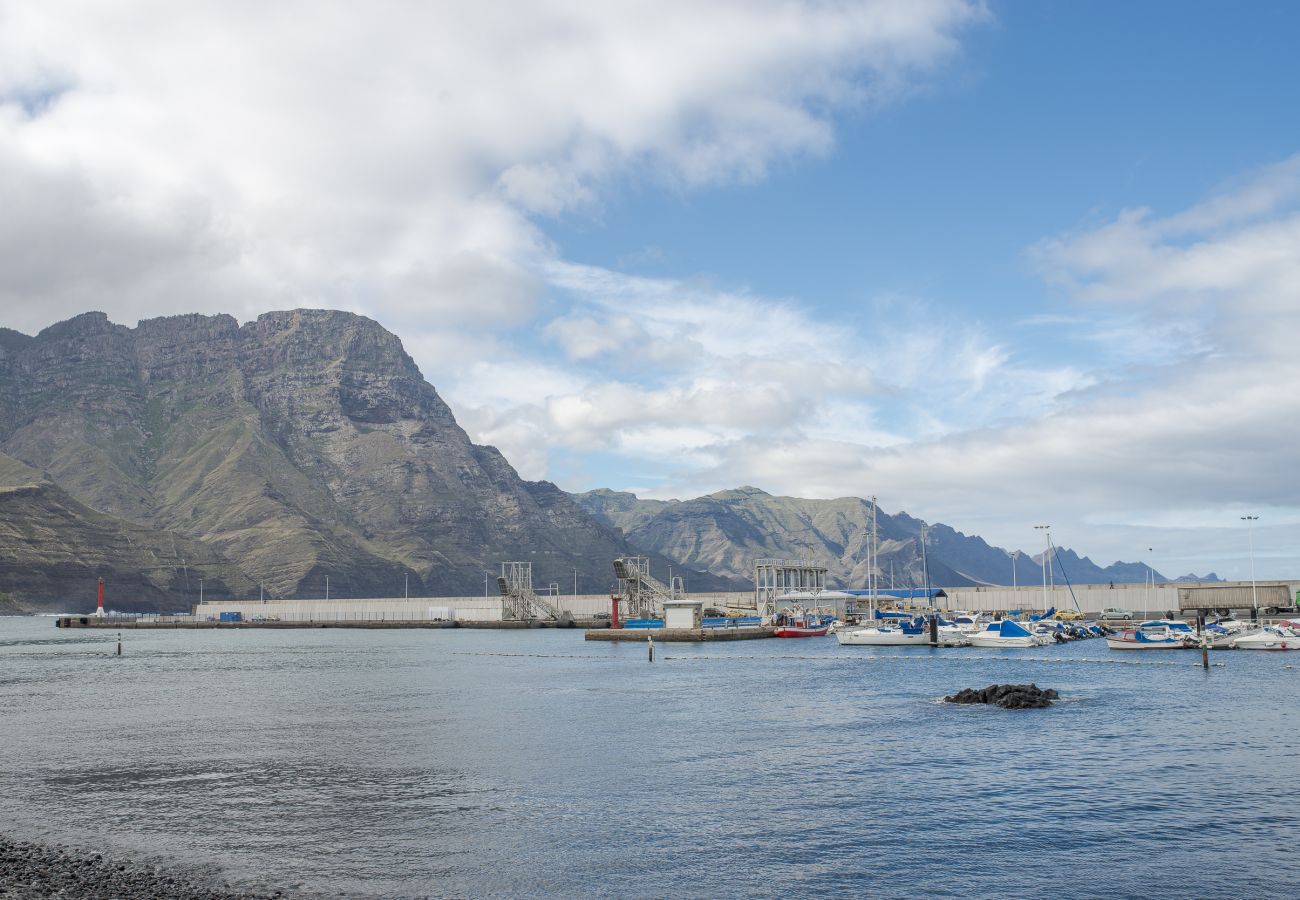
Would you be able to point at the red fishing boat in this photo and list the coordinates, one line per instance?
(798, 624)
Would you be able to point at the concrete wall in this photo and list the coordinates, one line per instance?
(466, 609)
(1093, 598)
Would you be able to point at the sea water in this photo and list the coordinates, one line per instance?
(531, 763)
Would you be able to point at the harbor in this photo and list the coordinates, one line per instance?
(455, 737)
(790, 599)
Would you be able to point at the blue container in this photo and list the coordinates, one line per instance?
(232, 617)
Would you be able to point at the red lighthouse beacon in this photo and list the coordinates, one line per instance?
(100, 611)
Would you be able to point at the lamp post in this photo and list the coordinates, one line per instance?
(1151, 573)
(486, 576)
(406, 588)
(1250, 531)
(327, 587)
(1047, 535)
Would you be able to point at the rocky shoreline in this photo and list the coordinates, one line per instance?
(30, 870)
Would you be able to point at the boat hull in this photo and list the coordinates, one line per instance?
(1256, 643)
(1122, 644)
(979, 640)
(871, 638)
(799, 631)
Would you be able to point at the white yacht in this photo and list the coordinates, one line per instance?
(1282, 636)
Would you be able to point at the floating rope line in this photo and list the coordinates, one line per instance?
(538, 655)
(1046, 659)
(842, 659)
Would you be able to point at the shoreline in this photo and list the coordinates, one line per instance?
(43, 869)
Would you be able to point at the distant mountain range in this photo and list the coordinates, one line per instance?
(194, 453)
(725, 532)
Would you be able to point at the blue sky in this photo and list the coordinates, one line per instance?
(998, 264)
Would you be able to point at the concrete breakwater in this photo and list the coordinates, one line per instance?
(680, 635)
(188, 623)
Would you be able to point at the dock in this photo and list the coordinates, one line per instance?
(681, 635)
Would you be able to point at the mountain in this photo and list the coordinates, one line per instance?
(727, 531)
(302, 445)
(54, 549)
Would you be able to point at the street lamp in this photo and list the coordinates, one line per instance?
(1151, 573)
(1250, 531)
(407, 588)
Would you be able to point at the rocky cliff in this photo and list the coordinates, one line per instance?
(302, 445)
(725, 532)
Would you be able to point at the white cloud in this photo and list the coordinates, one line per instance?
(387, 158)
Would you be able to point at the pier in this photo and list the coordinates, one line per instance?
(681, 635)
(190, 623)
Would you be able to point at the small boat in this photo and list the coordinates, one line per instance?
(1158, 634)
(903, 633)
(970, 622)
(886, 633)
(1282, 636)
(796, 623)
(1006, 633)
(1222, 633)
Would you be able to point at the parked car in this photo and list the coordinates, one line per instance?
(1068, 615)
(1114, 614)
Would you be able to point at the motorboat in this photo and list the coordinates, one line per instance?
(970, 622)
(1222, 633)
(1282, 636)
(1157, 634)
(1006, 633)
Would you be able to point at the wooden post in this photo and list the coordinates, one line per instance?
(651, 645)
(119, 643)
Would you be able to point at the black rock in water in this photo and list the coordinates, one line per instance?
(1007, 696)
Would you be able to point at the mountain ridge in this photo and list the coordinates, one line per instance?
(727, 530)
(300, 445)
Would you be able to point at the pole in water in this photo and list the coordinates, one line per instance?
(934, 630)
(119, 643)
(650, 643)
(1205, 644)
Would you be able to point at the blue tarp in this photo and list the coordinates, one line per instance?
(901, 593)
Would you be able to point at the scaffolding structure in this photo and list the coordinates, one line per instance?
(519, 600)
(643, 594)
(774, 577)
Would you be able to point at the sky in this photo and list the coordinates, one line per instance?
(999, 264)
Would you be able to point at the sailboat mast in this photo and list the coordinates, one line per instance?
(872, 552)
(925, 566)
